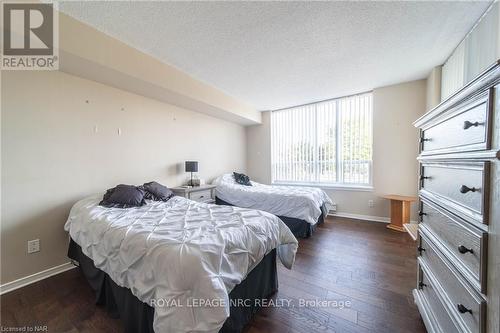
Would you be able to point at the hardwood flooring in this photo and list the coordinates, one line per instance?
(363, 264)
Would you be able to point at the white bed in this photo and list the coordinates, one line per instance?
(181, 250)
(303, 203)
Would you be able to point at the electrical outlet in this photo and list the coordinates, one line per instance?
(34, 246)
(370, 203)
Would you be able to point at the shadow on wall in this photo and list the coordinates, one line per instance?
(175, 169)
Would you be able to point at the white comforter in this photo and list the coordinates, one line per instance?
(291, 201)
(177, 252)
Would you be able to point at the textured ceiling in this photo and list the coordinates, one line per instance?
(277, 54)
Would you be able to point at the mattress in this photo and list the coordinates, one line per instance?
(178, 254)
(304, 203)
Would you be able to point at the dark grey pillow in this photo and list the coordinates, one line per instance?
(242, 179)
(157, 192)
(123, 196)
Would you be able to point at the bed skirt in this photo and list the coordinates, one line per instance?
(300, 228)
(137, 316)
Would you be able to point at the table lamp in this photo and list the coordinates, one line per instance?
(191, 166)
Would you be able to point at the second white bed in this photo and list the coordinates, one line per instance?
(303, 203)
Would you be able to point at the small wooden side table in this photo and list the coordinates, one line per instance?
(400, 211)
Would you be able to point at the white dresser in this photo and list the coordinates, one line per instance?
(458, 283)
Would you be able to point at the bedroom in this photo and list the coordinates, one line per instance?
(372, 98)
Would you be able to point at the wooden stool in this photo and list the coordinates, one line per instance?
(400, 211)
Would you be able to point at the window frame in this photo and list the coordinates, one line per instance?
(339, 167)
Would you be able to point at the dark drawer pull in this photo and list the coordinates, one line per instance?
(468, 124)
(420, 249)
(465, 189)
(421, 215)
(421, 285)
(462, 249)
(463, 309)
(424, 177)
(202, 196)
(422, 140)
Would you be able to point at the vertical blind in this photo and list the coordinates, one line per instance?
(328, 142)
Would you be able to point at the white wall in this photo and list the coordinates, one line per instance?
(51, 155)
(395, 139)
(395, 148)
(434, 88)
(259, 150)
(479, 50)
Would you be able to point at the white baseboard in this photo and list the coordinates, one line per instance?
(363, 217)
(24, 281)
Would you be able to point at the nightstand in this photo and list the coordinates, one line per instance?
(203, 193)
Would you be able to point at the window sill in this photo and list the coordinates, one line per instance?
(341, 187)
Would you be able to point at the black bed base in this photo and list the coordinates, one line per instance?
(137, 316)
(299, 228)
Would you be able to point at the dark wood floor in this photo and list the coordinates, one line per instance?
(346, 260)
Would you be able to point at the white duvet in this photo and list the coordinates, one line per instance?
(291, 201)
(177, 252)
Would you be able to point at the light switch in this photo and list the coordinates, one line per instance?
(34, 246)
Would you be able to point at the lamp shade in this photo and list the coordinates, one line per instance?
(191, 166)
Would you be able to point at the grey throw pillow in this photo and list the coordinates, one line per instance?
(242, 179)
(123, 196)
(157, 192)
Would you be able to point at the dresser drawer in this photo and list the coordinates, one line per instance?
(462, 243)
(201, 196)
(465, 128)
(434, 313)
(467, 307)
(462, 187)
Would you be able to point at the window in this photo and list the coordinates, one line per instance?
(326, 143)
